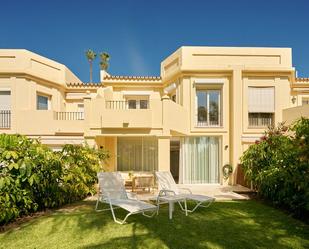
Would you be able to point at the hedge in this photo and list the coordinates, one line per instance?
(34, 178)
(278, 166)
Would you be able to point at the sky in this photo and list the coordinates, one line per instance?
(139, 34)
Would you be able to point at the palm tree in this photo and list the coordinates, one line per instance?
(104, 64)
(90, 57)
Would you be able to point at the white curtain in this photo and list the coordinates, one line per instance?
(199, 160)
(137, 154)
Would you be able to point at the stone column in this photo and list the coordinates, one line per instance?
(164, 153)
(236, 119)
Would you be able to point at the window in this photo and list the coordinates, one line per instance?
(137, 104)
(132, 104)
(80, 110)
(261, 106)
(137, 153)
(305, 101)
(143, 104)
(260, 119)
(5, 109)
(208, 107)
(5, 100)
(42, 102)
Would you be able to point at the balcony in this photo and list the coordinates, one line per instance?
(47, 122)
(5, 119)
(121, 114)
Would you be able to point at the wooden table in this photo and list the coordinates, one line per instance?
(142, 182)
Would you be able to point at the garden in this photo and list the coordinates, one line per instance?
(43, 200)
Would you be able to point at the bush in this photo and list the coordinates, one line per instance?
(32, 177)
(278, 166)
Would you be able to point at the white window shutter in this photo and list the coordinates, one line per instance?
(5, 100)
(261, 99)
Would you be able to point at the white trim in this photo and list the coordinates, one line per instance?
(5, 89)
(209, 81)
(136, 92)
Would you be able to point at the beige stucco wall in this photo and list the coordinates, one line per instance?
(292, 114)
(27, 74)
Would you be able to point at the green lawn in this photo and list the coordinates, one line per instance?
(235, 224)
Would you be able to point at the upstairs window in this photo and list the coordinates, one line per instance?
(305, 101)
(137, 103)
(143, 104)
(5, 100)
(132, 104)
(42, 102)
(261, 106)
(208, 107)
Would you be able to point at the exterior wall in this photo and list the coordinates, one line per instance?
(231, 70)
(294, 113)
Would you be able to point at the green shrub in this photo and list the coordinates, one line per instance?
(32, 177)
(278, 166)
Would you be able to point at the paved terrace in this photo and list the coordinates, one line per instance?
(220, 192)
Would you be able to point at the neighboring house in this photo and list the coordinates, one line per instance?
(208, 106)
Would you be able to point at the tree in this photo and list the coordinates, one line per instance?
(91, 55)
(104, 64)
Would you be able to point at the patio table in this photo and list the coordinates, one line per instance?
(171, 199)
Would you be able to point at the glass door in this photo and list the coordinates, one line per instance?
(200, 160)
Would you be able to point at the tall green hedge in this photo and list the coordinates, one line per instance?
(278, 166)
(33, 177)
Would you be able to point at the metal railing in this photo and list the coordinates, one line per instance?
(5, 119)
(260, 119)
(69, 115)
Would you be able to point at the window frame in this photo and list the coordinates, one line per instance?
(208, 91)
(48, 101)
(137, 100)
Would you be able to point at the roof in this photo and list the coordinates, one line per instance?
(302, 80)
(133, 78)
(83, 84)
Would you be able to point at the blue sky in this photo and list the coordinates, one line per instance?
(140, 34)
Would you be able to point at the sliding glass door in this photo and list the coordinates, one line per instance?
(200, 160)
(137, 153)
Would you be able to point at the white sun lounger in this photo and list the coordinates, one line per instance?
(167, 184)
(113, 193)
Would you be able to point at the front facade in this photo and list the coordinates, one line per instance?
(206, 108)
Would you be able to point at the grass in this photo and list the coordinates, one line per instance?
(234, 224)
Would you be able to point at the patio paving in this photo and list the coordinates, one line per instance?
(220, 192)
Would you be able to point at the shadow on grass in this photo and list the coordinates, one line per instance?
(237, 224)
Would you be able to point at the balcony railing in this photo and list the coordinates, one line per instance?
(69, 115)
(5, 119)
(124, 105)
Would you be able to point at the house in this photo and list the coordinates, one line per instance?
(206, 108)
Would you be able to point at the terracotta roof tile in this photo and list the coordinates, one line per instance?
(142, 78)
(302, 80)
(82, 84)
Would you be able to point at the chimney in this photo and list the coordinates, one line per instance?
(103, 74)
